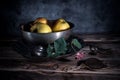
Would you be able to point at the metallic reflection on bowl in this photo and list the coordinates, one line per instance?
(45, 38)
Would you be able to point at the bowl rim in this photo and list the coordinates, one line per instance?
(23, 25)
(49, 32)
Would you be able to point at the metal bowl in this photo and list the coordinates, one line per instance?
(45, 38)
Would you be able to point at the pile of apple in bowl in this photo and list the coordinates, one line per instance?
(43, 31)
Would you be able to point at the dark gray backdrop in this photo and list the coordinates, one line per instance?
(88, 16)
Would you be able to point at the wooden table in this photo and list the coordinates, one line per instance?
(11, 62)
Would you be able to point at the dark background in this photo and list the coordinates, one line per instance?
(88, 16)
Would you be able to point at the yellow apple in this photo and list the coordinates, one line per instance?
(41, 28)
(60, 25)
(41, 20)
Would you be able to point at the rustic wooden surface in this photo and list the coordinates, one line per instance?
(12, 61)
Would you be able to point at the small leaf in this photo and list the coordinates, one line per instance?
(49, 50)
(60, 46)
(76, 43)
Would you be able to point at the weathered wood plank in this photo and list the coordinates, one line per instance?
(45, 71)
(7, 54)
